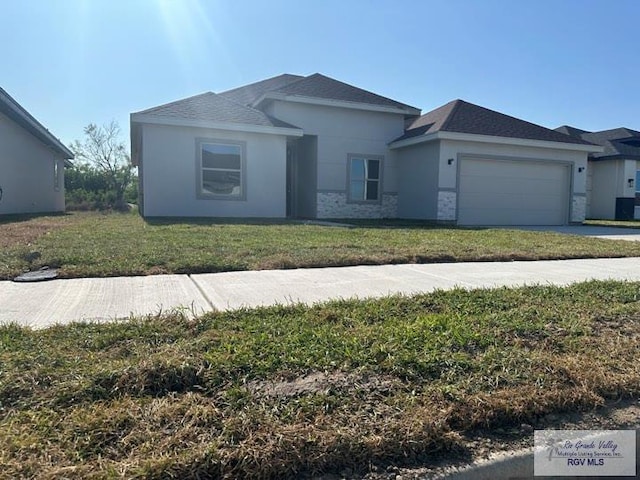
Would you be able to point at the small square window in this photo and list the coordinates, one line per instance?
(221, 170)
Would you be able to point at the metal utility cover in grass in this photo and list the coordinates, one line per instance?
(38, 275)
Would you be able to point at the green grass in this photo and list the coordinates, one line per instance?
(614, 223)
(288, 391)
(89, 244)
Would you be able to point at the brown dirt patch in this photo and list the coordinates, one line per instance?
(320, 382)
(25, 232)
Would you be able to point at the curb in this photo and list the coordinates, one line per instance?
(518, 464)
(508, 465)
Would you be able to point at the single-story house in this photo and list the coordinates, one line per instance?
(32, 162)
(613, 181)
(315, 147)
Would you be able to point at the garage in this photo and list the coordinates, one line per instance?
(513, 192)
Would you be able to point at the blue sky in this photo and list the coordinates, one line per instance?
(551, 62)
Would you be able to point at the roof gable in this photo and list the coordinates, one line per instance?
(459, 116)
(617, 142)
(568, 130)
(323, 87)
(248, 94)
(209, 107)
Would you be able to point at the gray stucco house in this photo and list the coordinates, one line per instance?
(613, 181)
(32, 162)
(315, 147)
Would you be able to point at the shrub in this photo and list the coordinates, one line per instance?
(87, 189)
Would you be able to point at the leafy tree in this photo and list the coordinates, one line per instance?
(103, 153)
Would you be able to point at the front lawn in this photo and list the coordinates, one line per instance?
(285, 392)
(95, 244)
(614, 223)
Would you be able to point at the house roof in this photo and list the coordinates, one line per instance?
(568, 130)
(321, 86)
(617, 142)
(463, 117)
(248, 94)
(209, 107)
(13, 110)
(316, 86)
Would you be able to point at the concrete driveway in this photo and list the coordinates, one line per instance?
(609, 233)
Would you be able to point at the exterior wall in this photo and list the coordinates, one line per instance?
(447, 206)
(604, 187)
(335, 205)
(170, 174)
(610, 180)
(603, 195)
(27, 172)
(578, 209)
(451, 152)
(637, 208)
(628, 169)
(340, 132)
(418, 196)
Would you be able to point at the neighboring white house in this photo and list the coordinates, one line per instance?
(32, 162)
(314, 147)
(613, 182)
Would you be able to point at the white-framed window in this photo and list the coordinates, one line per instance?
(56, 175)
(637, 188)
(365, 173)
(221, 169)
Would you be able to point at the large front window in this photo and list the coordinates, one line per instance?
(221, 167)
(364, 179)
(638, 188)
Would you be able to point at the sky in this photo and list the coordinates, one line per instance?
(550, 62)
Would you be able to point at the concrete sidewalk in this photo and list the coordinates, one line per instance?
(62, 301)
(606, 233)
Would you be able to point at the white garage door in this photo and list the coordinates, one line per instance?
(498, 192)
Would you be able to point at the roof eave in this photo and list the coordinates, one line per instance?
(615, 156)
(469, 137)
(19, 115)
(236, 127)
(335, 103)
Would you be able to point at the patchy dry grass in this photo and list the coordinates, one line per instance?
(285, 392)
(22, 230)
(90, 244)
(614, 223)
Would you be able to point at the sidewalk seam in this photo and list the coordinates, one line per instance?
(203, 293)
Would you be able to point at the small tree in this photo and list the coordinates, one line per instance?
(103, 149)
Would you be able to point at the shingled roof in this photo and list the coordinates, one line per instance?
(463, 117)
(248, 94)
(321, 86)
(209, 107)
(313, 86)
(568, 130)
(617, 142)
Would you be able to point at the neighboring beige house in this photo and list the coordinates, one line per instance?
(32, 162)
(613, 182)
(315, 147)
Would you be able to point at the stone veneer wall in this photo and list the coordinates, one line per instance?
(334, 205)
(578, 208)
(447, 206)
